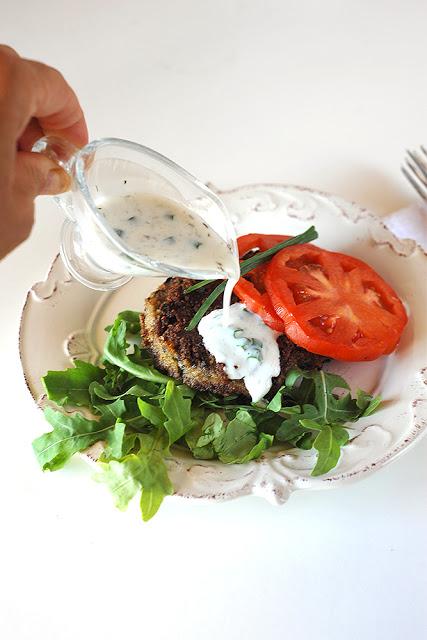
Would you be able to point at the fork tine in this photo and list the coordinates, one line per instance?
(424, 150)
(419, 165)
(416, 172)
(418, 188)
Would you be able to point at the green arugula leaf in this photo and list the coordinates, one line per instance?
(292, 377)
(115, 441)
(291, 429)
(110, 412)
(144, 471)
(275, 403)
(333, 408)
(72, 385)
(212, 431)
(204, 440)
(122, 478)
(131, 443)
(99, 391)
(155, 487)
(153, 413)
(366, 403)
(265, 441)
(340, 434)
(177, 410)
(235, 443)
(328, 446)
(116, 380)
(186, 391)
(328, 451)
(132, 321)
(71, 433)
(330, 408)
(239, 438)
(115, 351)
(306, 441)
(310, 425)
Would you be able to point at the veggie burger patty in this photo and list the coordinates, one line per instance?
(181, 354)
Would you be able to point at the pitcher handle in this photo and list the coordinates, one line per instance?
(63, 153)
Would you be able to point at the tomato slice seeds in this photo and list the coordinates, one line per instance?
(327, 302)
(333, 304)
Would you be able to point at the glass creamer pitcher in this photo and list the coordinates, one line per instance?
(112, 168)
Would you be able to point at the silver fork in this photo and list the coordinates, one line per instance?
(416, 171)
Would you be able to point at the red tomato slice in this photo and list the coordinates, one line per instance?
(333, 304)
(258, 303)
(251, 288)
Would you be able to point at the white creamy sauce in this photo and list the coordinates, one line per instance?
(245, 345)
(168, 232)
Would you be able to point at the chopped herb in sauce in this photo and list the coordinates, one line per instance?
(119, 232)
(165, 230)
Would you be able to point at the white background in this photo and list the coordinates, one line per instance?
(324, 94)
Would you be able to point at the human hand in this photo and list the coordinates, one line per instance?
(34, 100)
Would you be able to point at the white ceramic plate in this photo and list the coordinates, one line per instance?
(63, 320)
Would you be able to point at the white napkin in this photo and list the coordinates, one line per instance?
(410, 222)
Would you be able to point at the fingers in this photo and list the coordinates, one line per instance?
(7, 51)
(35, 100)
(36, 175)
(30, 89)
(56, 106)
(32, 133)
(33, 174)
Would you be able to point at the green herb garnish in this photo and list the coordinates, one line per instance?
(245, 266)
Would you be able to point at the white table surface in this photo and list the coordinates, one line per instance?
(324, 94)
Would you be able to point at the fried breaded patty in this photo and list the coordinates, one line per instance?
(182, 354)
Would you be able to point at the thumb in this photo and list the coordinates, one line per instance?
(35, 174)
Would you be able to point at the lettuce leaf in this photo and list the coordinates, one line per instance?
(116, 352)
(72, 385)
(144, 471)
(70, 434)
(328, 443)
(205, 439)
(177, 409)
(236, 442)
